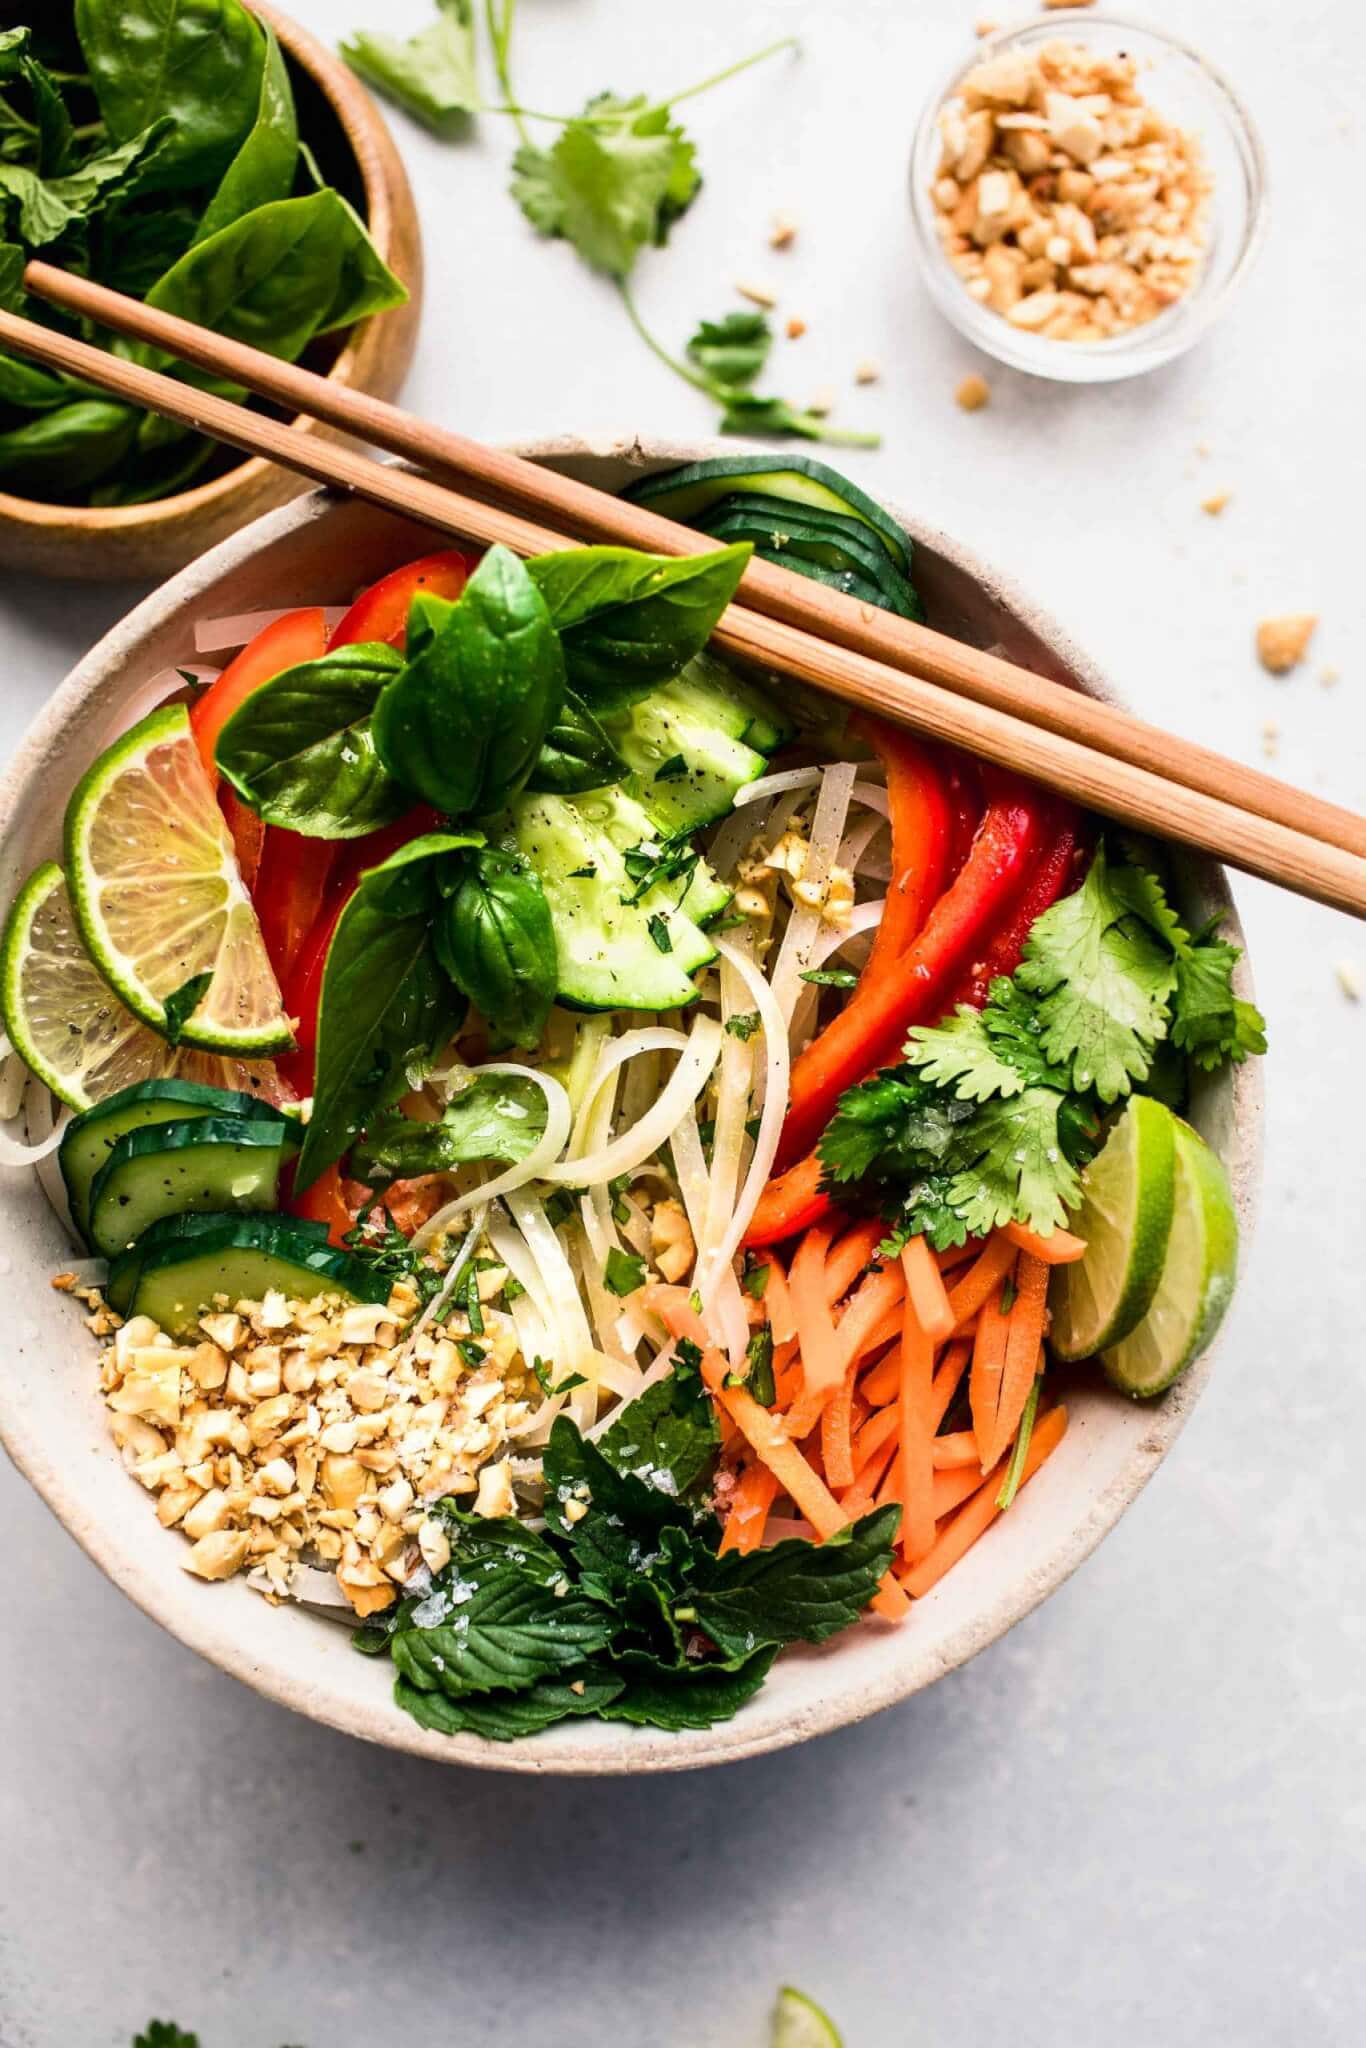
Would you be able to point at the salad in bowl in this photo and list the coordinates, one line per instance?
(589, 1168)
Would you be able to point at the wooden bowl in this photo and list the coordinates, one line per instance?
(55, 1426)
(120, 543)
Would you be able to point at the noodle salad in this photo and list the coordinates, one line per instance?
(592, 1166)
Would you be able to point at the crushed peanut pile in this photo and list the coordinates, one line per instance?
(1064, 201)
(296, 1433)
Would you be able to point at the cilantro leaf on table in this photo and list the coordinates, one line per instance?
(733, 349)
(614, 181)
(431, 75)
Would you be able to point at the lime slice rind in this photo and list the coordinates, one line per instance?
(1197, 1281)
(1128, 1192)
(157, 895)
(798, 2022)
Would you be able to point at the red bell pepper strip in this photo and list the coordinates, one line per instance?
(920, 820)
(293, 879)
(1057, 871)
(867, 1034)
(964, 787)
(791, 1203)
(323, 1201)
(381, 612)
(297, 636)
(248, 834)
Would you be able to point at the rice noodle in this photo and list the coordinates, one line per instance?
(558, 1117)
(863, 918)
(14, 1153)
(631, 1148)
(827, 830)
(212, 636)
(562, 1291)
(778, 1063)
(765, 786)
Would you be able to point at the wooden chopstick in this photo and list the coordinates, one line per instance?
(1136, 796)
(518, 485)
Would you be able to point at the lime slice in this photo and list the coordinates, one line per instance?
(158, 898)
(799, 2023)
(1125, 1218)
(68, 1026)
(1197, 1280)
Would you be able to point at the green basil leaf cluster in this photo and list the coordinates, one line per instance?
(627, 1612)
(496, 940)
(162, 157)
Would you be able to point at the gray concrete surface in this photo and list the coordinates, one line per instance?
(1141, 1818)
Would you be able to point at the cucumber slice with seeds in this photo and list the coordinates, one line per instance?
(218, 1163)
(91, 1136)
(244, 1260)
(684, 493)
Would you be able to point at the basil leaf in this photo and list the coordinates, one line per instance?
(576, 753)
(197, 61)
(12, 260)
(263, 168)
(417, 875)
(23, 385)
(499, 944)
(62, 453)
(431, 75)
(47, 207)
(280, 276)
(299, 749)
(483, 683)
(385, 1013)
(629, 620)
(499, 1116)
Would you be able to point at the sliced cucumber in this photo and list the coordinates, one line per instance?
(684, 770)
(684, 493)
(609, 955)
(830, 540)
(91, 1136)
(626, 823)
(125, 1266)
(244, 1260)
(736, 706)
(220, 1163)
(847, 580)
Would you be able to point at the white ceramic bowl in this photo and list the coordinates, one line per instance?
(55, 1427)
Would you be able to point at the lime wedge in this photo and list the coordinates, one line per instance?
(158, 899)
(1125, 1218)
(68, 1026)
(798, 2022)
(1197, 1279)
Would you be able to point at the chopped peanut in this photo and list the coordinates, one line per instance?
(1283, 642)
(671, 1240)
(973, 393)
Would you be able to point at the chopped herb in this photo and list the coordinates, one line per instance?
(513, 1289)
(756, 1281)
(1008, 1293)
(759, 1363)
(687, 1357)
(583, 874)
(743, 1024)
(616, 1189)
(474, 1308)
(672, 770)
(830, 977)
(659, 932)
(695, 1302)
(559, 1207)
(624, 1271)
(472, 1353)
(565, 1386)
(648, 865)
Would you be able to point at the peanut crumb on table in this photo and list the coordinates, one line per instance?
(867, 372)
(1271, 738)
(1328, 675)
(1349, 981)
(821, 402)
(1215, 503)
(1052, 4)
(1283, 641)
(973, 393)
(758, 295)
(783, 233)
(985, 28)
(796, 327)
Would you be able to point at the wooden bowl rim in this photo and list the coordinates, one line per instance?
(360, 120)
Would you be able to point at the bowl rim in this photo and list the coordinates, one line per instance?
(1139, 349)
(636, 1751)
(362, 123)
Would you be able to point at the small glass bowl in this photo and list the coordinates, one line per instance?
(1188, 91)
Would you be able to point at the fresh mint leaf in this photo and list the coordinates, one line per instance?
(666, 1437)
(511, 1716)
(12, 262)
(661, 1695)
(491, 1627)
(795, 1591)
(479, 1542)
(613, 183)
(624, 1271)
(431, 75)
(300, 750)
(499, 1116)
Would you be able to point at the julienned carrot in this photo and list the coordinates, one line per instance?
(765, 1434)
(1059, 1249)
(680, 1319)
(976, 1284)
(877, 1299)
(1024, 1339)
(947, 1375)
(958, 1255)
(755, 1493)
(837, 1436)
(868, 1477)
(988, 1366)
(873, 1433)
(915, 1435)
(951, 1489)
(981, 1511)
(925, 1286)
(849, 1257)
(778, 1302)
(958, 1448)
(822, 1366)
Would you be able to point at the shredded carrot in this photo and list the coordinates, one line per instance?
(988, 1365)
(877, 1300)
(890, 1601)
(869, 1476)
(680, 1319)
(778, 1302)
(959, 1254)
(925, 1286)
(874, 1433)
(787, 1374)
(849, 1257)
(805, 1412)
(890, 1490)
(837, 1442)
(948, 1374)
(753, 1497)
(977, 1283)
(958, 1448)
(822, 1366)
(1024, 1339)
(981, 1511)
(1058, 1249)
(915, 1434)
(952, 1488)
(765, 1433)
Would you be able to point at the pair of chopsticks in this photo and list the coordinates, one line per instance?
(1100, 757)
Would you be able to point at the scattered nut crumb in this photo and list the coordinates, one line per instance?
(1349, 981)
(1203, 448)
(796, 327)
(1328, 675)
(1271, 738)
(1215, 503)
(758, 295)
(64, 1282)
(973, 393)
(1067, 3)
(821, 402)
(1283, 641)
(867, 372)
(784, 231)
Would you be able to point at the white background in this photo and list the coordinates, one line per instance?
(1142, 1817)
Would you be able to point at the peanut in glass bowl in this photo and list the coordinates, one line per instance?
(1187, 91)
